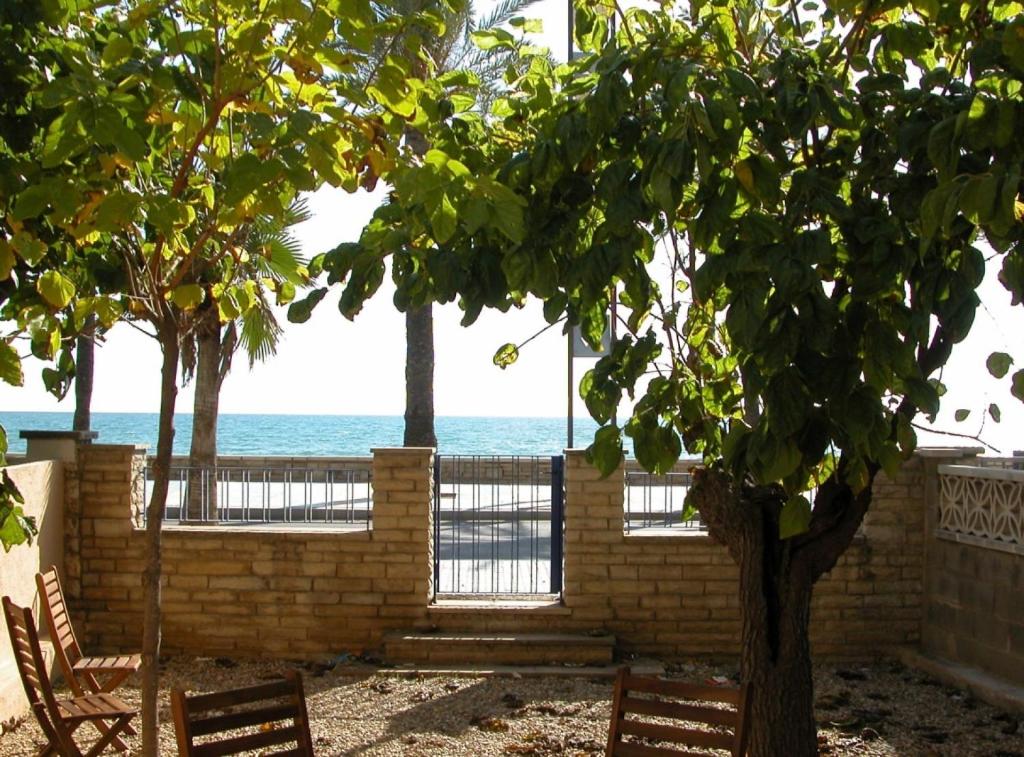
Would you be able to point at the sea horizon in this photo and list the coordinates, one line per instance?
(318, 435)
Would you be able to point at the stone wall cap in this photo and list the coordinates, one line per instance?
(404, 450)
(121, 447)
(977, 471)
(949, 451)
(81, 436)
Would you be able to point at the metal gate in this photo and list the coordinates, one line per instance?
(498, 525)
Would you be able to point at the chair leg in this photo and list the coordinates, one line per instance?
(107, 687)
(104, 729)
(110, 736)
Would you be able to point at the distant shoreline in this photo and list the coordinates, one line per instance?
(277, 434)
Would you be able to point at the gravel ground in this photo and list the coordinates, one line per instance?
(881, 709)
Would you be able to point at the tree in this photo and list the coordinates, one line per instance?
(272, 261)
(142, 160)
(446, 53)
(790, 207)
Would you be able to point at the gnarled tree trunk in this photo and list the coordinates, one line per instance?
(202, 477)
(777, 577)
(167, 332)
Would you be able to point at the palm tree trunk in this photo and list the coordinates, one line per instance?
(419, 353)
(201, 502)
(85, 351)
(167, 332)
(419, 378)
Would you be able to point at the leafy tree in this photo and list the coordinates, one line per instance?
(790, 207)
(272, 264)
(142, 165)
(20, 289)
(445, 54)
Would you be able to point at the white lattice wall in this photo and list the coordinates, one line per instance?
(985, 503)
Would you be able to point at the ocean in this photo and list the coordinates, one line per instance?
(319, 435)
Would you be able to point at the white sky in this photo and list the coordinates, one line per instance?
(332, 366)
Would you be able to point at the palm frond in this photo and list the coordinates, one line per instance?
(261, 333)
(502, 13)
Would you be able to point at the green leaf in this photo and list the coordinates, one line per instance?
(527, 25)
(187, 296)
(10, 365)
(943, 150)
(506, 355)
(15, 528)
(443, 220)
(961, 415)
(32, 202)
(107, 310)
(606, 450)
(7, 260)
(117, 49)
(56, 289)
(995, 412)
(491, 39)
(998, 364)
(795, 517)
(28, 247)
(392, 90)
(1013, 42)
(300, 311)
(1017, 389)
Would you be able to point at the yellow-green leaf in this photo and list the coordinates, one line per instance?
(56, 288)
(187, 296)
(10, 365)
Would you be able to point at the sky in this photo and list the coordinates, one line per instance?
(332, 366)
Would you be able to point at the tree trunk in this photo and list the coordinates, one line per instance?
(775, 657)
(419, 378)
(419, 352)
(201, 502)
(167, 332)
(85, 351)
(777, 577)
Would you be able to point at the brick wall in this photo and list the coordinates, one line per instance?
(258, 590)
(317, 593)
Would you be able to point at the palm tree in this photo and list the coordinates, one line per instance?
(451, 52)
(273, 252)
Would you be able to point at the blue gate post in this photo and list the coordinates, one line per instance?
(557, 520)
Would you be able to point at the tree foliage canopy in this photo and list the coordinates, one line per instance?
(788, 202)
(141, 143)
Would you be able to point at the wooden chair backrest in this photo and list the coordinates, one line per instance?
(62, 633)
(644, 697)
(276, 710)
(29, 658)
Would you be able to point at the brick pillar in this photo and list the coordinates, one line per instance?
(403, 523)
(106, 576)
(593, 536)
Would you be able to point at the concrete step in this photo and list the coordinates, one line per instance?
(498, 649)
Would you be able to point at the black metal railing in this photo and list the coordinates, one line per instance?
(269, 495)
(498, 525)
(654, 501)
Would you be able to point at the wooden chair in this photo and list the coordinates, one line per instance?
(651, 697)
(254, 717)
(82, 673)
(59, 718)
